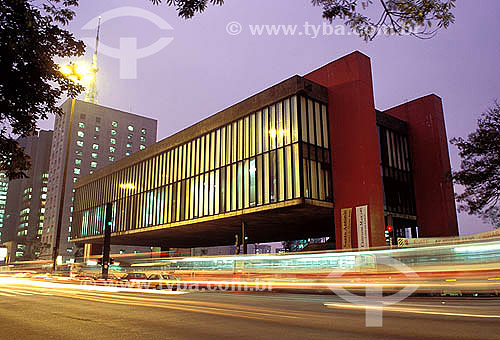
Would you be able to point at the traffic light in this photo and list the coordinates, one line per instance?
(389, 234)
(99, 262)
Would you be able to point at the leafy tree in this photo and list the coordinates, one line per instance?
(492, 215)
(419, 18)
(188, 8)
(31, 37)
(480, 168)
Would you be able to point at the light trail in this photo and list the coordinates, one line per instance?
(406, 310)
(83, 287)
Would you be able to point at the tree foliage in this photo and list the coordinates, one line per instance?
(480, 168)
(31, 38)
(419, 18)
(188, 8)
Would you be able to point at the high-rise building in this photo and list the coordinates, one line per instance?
(99, 136)
(26, 198)
(4, 185)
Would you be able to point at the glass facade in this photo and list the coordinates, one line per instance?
(397, 177)
(278, 153)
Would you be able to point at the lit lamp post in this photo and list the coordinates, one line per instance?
(77, 72)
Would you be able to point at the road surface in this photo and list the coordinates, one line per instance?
(62, 312)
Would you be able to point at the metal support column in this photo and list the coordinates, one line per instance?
(107, 241)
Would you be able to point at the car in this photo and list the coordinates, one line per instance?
(135, 280)
(110, 279)
(164, 281)
(83, 277)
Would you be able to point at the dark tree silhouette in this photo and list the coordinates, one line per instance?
(31, 38)
(419, 18)
(480, 168)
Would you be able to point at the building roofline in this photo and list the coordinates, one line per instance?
(430, 95)
(338, 59)
(81, 102)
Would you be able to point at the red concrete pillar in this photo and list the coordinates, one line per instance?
(435, 203)
(354, 142)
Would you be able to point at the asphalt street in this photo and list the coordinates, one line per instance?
(34, 312)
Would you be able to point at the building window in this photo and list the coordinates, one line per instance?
(79, 152)
(95, 146)
(114, 124)
(91, 172)
(112, 149)
(130, 128)
(129, 145)
(93, 164)
(129, 136)
(81, 125)
(78, 161)
(112, 141)
(95, 155)
(252, 162)
(98, 119)
(113, 132)
(96, 137)
(97, 128)
(80, 134)
(76, 171)
(143, 139)
(79, 143)
(144, 131)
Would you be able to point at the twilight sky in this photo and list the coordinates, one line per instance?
(205, 69)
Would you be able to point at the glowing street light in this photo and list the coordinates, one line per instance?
(79, 72)
(127, 186)
(280, 133)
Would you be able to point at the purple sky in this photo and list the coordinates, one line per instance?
(205, 69)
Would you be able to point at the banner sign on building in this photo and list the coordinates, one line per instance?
(415, 242)
(362, 226)
(346, 222)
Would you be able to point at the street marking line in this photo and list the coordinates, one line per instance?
(205, 310)
(224, 306)
(5, 294)
(413, 311)
(13, 291)
(32, 292)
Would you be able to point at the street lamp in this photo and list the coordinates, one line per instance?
(127, 186)
(77, 72)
